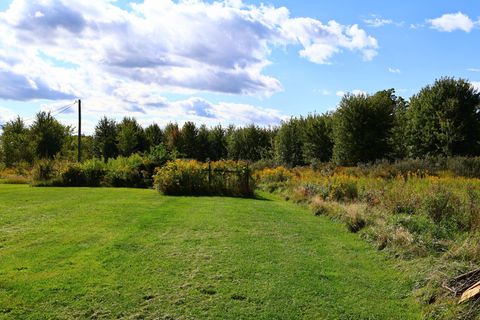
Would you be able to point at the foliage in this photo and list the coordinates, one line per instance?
(48, 135)
(16, 143)
(249, 143)
(226, 178)
(130, 137)
(362, 127)
(411, 214)
(318, 138)
(154, 135)
(289, 143)
(105, 139)
(443, 119)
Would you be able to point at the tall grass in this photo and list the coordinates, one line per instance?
(414, 214)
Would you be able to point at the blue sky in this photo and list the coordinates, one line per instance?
(227, 61)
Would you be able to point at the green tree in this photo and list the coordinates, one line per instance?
(289, 143)
(189, 135)
(15, 143)
(105, 139)
(218, 143)
(318, 138)
(443, 119)
(203, 150)
(249, 143)
(48, 135)
(154, 135)
(172, 137)
(363, 127)
(130, 137)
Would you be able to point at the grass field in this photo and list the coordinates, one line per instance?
(125, 253)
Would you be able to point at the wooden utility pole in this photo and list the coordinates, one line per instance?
(79, 130)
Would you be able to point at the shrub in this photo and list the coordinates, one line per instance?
(43, 171)
(278, 174)
(226, 178)
(442, 206)
(128, 172)
(465, 167)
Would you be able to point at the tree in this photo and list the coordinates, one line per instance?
(105, 139)
(362, 127)
(443, 119)
(189, 135)
(289, 143)
(249, 143)
(48, 135)
(318, 140)
(130, 137)
(15, 143)
(154, 135)
(218, 143)
(203, 150)
(172, 137)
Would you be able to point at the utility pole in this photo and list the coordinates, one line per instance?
(79, 130)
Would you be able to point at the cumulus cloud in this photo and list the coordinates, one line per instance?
(186, 45)
(452, 21)
(16, 86)
(122, 61)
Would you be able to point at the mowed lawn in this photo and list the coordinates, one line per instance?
(125, 253)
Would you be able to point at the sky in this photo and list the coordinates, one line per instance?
(224, 62)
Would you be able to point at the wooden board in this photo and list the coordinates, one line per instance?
(472, 292)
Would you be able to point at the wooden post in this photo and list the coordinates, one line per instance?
(209, 173)
(79, 130)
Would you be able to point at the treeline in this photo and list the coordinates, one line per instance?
(442, 119)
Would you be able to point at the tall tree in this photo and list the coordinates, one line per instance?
(189, 135)
(289, 143)
(363, 127)
(444, 119)
(203, 150)
(154, 135)
(15, 143)
(130, 137)
(249, 143)
(218, 143)
(105, 139)
(172, 137)
(318, 138)
(48, 135)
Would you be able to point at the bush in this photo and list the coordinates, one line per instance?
(278, 174)
(43, 171)
(226, 178)
(128, 172)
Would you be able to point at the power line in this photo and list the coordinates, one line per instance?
(60, 110)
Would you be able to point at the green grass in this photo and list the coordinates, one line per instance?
(124, 253)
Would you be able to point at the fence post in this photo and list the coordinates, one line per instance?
(209, 173)
(247, 178)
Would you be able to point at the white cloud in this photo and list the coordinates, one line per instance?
(476, 85)
(394, 70)
(185, 46)
(124, 62)
(377, 22)
(473, 69)
(6, 115)
(354, 92)
(452, 21)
